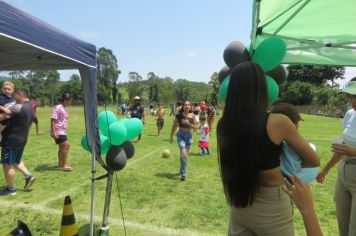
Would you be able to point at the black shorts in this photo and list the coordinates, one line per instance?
(61, 139)
(160, 123)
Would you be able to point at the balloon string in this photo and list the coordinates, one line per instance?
(122, 212)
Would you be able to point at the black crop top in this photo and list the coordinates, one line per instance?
(180, 116)
(270, 152)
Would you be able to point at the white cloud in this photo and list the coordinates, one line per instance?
(191, 55)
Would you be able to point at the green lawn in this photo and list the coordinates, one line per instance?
(155, 201)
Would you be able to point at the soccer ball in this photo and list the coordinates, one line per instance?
(166, 153)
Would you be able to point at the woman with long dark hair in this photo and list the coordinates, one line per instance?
(185, 121)
(249, 146)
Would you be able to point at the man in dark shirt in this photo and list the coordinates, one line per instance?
(137, 111)
(14, 138)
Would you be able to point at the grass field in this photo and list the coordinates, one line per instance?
(155, 201)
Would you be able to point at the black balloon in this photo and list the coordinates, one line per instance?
(279, 74)
(129, 149)
(116, 158)
(223, 73)
(235, 53)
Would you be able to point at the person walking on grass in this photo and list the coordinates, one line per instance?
(58, 131)
(204, 138)
(14, 139)
(161, 114)
(185, 121)
(137, 111)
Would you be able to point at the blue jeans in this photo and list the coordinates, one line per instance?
(184, 140)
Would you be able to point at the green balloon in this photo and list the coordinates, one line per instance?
(84, 143)
(106, 118)
(273, 89)
(224, 88)
(270, 53)
(118, 133)
(134, 127)
(104, 143)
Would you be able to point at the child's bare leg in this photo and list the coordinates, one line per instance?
(63, 154)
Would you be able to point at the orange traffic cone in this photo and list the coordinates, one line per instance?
(68, 225)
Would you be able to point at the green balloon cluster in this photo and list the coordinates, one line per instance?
(224, 88)
(104, 143)
(114, 132)
(273, 89)
(270, 53)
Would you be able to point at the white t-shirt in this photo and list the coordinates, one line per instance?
(349, 123)
(204, 133)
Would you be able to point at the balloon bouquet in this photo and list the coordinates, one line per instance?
(269, 54)
(115, 136)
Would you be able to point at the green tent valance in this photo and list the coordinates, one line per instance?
(316, 31)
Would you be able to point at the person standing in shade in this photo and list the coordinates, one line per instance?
(345, 150)
(137, 111)
(14, 139)
(58, 131)
(185, 121)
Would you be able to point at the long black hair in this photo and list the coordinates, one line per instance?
(240, 132)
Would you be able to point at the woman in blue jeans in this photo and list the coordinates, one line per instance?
(185, 122)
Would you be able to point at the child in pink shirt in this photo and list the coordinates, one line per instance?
(59, 122)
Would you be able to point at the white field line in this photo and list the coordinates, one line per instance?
(73, 190)
(116, 222)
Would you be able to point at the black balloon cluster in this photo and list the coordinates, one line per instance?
(117, 156)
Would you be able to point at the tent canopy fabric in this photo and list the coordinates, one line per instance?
(315, 31)
(27, 42)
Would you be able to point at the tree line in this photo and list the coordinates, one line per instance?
(305, 85)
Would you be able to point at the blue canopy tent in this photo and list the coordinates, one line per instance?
(27, 42)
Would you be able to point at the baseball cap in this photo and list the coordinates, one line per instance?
(350, 88)
(288, 110)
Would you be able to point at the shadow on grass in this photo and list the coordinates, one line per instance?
(84, 230)
(167, 175)
(46, 167)
(150, 135)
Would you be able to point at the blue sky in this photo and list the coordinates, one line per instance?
(179, 39)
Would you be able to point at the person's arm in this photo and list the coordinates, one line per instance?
(173, 130)
(6, 110)
(331, 163)
(302, 197)
(53, 130)
(289, 133)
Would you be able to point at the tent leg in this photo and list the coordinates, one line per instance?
(104, 230)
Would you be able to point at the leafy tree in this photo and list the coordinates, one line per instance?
(107, 71)
(298, 93)
(182, 89)
(51, 84)
(214, 83)
(135, 86)
(315, 74)
(74, 87)
(153, 89)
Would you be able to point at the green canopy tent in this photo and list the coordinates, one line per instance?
(315, 31)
